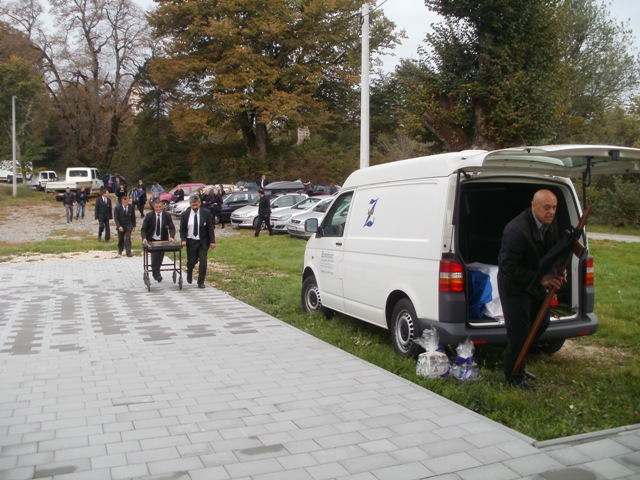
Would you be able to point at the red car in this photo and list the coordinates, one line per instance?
(189, 188)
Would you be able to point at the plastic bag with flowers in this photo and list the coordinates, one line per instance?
(433, 363)
(464, 368)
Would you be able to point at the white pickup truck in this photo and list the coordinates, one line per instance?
(76, 177)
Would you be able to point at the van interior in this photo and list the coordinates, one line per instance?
(485, 207)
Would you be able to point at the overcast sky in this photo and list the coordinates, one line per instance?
(415, 18)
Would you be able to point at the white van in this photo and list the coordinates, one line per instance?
(39, 179)
(397, 247)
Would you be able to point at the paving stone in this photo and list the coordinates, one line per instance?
(224, 391)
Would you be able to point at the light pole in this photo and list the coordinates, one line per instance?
(13, 149)
(364, 90)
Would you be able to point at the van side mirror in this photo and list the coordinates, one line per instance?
(311, 225)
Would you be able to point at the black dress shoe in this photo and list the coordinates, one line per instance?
(529, 375)
(159, 278)
(189, 277)
(129, 254)
(201, 285)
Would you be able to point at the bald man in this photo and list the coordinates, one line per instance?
(525, 240)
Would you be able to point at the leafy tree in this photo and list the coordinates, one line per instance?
(262, 67)
(494, 76)
(21, 77)
(603, 75)
(499, 73)
(90, 62)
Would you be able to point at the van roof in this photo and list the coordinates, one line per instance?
(560, 160)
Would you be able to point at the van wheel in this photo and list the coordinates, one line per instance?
(552, 346)
(311, 296)
(404, 329)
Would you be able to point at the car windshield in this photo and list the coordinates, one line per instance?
(306, 203)
(322, 207)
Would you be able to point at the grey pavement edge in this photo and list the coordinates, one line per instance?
(100, 379)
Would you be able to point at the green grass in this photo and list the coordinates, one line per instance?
(592, 384)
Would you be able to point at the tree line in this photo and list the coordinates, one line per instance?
(221, 90)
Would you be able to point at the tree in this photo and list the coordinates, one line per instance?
(500, 73)
(494, 77)
(21, 77)
(262, 66)
(90, 64)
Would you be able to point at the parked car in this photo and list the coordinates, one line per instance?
(236, 200)
(247, 216)
(280, 217)
(18, 178)
(109, 180)
(285, 187)
(322, 189)
(245, 185)
(189, 188)
(295, 225)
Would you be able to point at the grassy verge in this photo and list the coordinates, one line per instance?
(592, 384)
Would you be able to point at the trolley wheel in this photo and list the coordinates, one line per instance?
(180, 282)
(175, 276)
(146, 281)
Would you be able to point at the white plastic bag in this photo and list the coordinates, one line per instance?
(433, 363)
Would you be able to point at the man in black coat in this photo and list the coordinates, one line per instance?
(197, 233)
(522, 288)
(157, 225)
(104, 213)
(125, 218)
(264, 212)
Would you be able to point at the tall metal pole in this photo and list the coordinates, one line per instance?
(364, 90)
(13, 138)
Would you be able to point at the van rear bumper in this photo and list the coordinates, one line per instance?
(455, 333)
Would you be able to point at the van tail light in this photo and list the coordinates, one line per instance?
(451, 276)
(589, 278)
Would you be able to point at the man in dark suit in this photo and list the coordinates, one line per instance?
(522, 287)
(103, 213)
(264, 214)
(125, 218)
(264, 181)
(198, 235)
(157, 225)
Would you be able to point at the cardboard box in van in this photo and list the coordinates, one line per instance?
(400, 245)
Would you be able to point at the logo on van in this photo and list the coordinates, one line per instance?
(370, 218)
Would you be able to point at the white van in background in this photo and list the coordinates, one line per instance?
(39, 179)
(395, 247)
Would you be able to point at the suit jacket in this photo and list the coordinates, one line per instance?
(521, 251)
(264, 206)
(103, 211)
(206, 228)
(128, 220)
(168, 230)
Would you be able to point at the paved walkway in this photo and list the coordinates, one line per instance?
(100, 379)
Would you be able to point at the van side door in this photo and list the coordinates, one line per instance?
(330, 246)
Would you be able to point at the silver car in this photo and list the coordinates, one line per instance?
(248, 216)
(295, 226)
(281, 217)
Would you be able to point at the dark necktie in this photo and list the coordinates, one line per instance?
(158, 225)
(126, 211)
(195, 224)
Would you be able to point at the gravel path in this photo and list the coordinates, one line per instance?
(47, 221)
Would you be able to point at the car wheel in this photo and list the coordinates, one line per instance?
(310, 297)
(404, 329)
